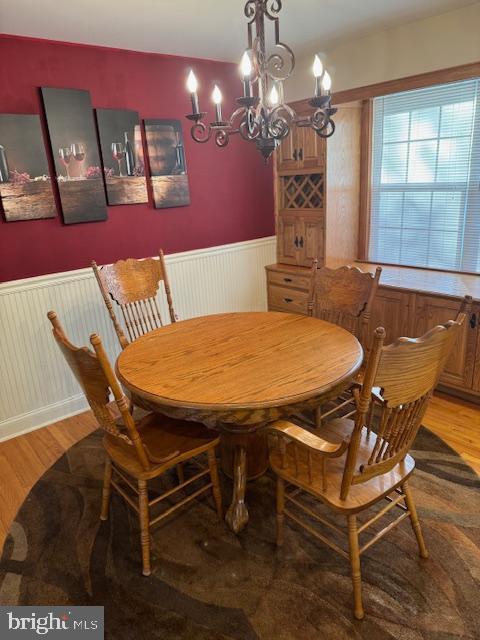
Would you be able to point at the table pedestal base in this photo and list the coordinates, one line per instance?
(243, 457)
(256, 448)
(237, 513)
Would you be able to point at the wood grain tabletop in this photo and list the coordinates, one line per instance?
(257, 359)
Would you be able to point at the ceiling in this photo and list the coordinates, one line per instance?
(206, 28)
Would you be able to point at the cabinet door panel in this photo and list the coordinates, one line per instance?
(311, 149)
(287, 154)
(390, 310)
(476, 366)
(311, 235)
(287, 249)
(431, 311)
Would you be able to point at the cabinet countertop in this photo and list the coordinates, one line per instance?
(442, 283)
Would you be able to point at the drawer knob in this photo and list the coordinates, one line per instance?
(288, 300)
(287, 279)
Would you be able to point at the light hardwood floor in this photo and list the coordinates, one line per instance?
(23, 460)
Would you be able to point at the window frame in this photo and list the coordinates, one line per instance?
(464, 72)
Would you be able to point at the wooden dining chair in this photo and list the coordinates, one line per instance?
(359, 463)
(133, 285)
(139, 451)
(343, 296)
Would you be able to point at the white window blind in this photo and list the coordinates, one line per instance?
(425, 204)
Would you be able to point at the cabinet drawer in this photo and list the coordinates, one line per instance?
(292, 280)
(290, 300)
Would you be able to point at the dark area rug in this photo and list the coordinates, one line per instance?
(210, 584)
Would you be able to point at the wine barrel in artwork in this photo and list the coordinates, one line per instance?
(162, 149)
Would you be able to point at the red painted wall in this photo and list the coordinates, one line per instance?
(231, 189)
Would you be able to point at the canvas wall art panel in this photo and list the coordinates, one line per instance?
(122, 156)
(73, 139)
(25, 185)
(166, 160)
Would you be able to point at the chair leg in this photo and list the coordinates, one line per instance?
(144, 525)
(417, 530)
(107, 478)
(180, 474)
(355, 566)
(217, 494)
(318, 417)
(280, 510)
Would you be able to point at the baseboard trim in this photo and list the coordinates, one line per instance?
(42, 417)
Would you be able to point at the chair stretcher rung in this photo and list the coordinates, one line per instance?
(316, 534)
(126, 480)
(381, 513)
(384, 531)
(314, 515)
(181, 503)
(179, 487)
(397, 504)
(336, 408)
(125, 495)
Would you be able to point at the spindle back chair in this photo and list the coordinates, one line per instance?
(360, 463)
(133, 285)
(140, 450)
(344, 297)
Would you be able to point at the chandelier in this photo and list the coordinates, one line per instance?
(263, 116)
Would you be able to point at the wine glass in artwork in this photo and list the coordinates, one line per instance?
(78, 153)
(118, 153)
(65, 154)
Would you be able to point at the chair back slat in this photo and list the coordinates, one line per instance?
(344, 297)
(95, 376)
(406, 372)
(133, 285)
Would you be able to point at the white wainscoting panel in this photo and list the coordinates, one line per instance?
(37, 388)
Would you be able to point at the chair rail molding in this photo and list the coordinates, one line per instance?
(36, 387)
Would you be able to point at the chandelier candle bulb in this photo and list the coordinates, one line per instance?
(192, 86)
(217, 99)
(274, 97)
(326, 84)
(246, 68)
(317, 72)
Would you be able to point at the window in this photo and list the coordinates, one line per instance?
(425, 192)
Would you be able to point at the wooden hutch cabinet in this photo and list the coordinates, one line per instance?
(306, 167)
(300, 197)
(409, 301)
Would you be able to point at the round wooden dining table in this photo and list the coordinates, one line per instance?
(236, 373)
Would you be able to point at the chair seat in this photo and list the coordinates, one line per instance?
(360, 496)
(168, 442)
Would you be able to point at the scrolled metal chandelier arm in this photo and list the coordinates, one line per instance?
(264, 119)
(200, 132)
